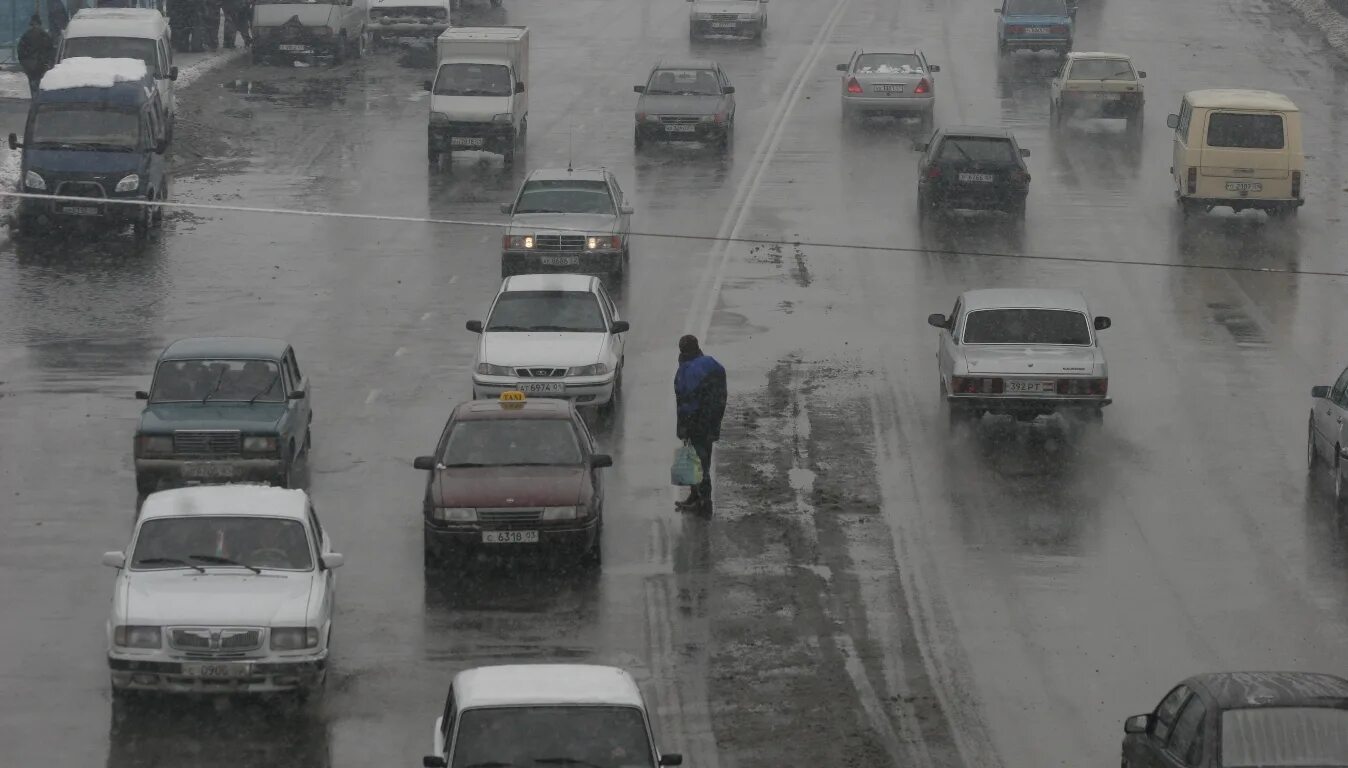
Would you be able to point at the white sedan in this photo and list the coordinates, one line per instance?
(553, 336)
(223, 589)
(1021, 352)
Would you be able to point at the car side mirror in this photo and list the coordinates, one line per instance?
(1102, 322)
(729, 89)
(333, 560)
(1172, 121)
(936, 320)
(296, 395)
(621, 326)
(1320, 392)
(642, 88)
(934, 67)
(507, 208)
(427, 84)
(14, 141)
(626, 210)
(601, 460)
(474, 325)
(841, 67)
(433, 761)
(173, 73)
(998, 10)
(142, 395)
(114, 559)
(673, 758)
(1024, 153)
(919, 146)
(519, 87)
(1141, 75)
(1137, 724)
(424, 462)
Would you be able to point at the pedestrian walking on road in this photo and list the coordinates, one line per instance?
(57, 17)
(700, 395)
(37, 52)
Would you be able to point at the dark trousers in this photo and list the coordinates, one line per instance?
(703, 444)
(33, 79)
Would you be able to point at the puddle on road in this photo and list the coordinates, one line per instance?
(307, 92)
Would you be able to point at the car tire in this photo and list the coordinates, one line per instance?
(1312, 455)
(1002, 50)
(608, 412)
(1340, 489)
(24, 226)
(140, 228)
(594, 556)
(432, 557)
(1054, 113)
(508, 156)
(287, 477)
(1135, 121)
(1016, 209)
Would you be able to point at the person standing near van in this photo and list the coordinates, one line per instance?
(37, 52)
(57, 17)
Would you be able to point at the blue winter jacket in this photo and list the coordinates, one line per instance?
(700, 393)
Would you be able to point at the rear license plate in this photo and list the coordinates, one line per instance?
(510, 537)
(466, 141)
(559, 261)
(1033, 387)
(78, 210)
(203, 471)
(542, 388)
(888, 88)
(982, 178)
(1036, 30)
(294, 48)
(1244, 186)
(217, 671)
(723, 25)
(680, 128)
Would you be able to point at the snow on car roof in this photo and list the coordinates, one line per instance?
(516, 685)
(116, 22)
(1240, 98)
(237, 499)
(1098, 55)
(85, 72)
(1024, 298)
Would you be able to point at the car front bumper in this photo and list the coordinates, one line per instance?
(263, 675)
(177, 472)
(587, 391)
(570, 539)
(584, 262)
(1103, 104)
(484, 137)
(66, 212)
(1023, 407)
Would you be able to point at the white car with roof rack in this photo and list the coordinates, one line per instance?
(545, 714)
(223, 589)
(1021, 352)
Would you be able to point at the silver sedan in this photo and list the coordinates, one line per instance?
(895, 83)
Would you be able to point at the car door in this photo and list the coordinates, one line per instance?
(624, 219)
(323, 546)
(1179, 160)
(1055, 85)
(727, 99)
(1328, 414)
(1145, 751)
(596, 474)
(948, 342)
(301, 409)
(617, 341)
(1185, 747)
(164, 83)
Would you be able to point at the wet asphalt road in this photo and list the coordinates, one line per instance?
(998, 598)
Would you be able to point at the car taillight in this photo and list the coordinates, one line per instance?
(718, 118)
(1098, 387)
(1015, 29)
(1058, 29)
(1020, 177)
(934, 172)
(923, 86)
(1193, 180)
(1296, 183)
(969, 385)
(853, 86)
(641, 117)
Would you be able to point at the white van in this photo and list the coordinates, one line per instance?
(292, 30)
(1237, 148)
(479, 100)
(126, 33)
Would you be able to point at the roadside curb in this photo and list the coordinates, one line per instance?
(1319, 14)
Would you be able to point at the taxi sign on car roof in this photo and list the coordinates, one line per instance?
(512, 399)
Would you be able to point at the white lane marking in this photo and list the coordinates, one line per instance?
(400, 352)
(709, 286)
(426, 318)
(374, 393)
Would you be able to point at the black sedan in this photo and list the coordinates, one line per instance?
(974, 169)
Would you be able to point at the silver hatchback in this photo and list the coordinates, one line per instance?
(888, 82)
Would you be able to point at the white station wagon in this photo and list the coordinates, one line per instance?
(223, 589)
(1021, 352)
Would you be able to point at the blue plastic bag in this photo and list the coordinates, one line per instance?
(687, 467)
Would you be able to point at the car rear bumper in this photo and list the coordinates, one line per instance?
(177, 472)
(571, 539)
(975, 198)
(1024, 407)
(255, 676)
(1038, 43)
(1103, 104)
(1245, 203)
(583, 262)
(408, 29)
(889, 104)
(705, 132)
(590, 391)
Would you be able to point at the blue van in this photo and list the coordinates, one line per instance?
(96, 130)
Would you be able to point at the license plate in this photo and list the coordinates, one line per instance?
(1036, 30)
(679, 128)
(982, 178)
(1035, 387)
(510, 537)
(218, 671)
(208, 471)
(723, 25)
(1244, 186)
(294, 48)
(79, 210)
(559, 261)
(888, 88)
(466, 141)
(542, 388)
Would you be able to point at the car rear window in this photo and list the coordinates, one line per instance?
(976, 149)
(683, 82)
(889, 64)
(1243, 130)
(1026, 326)
(1101, 69)
(512, 442)
(1284, 736)
(1037, 7)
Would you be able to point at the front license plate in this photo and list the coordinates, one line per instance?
(678, 128)
(466, 141)
(723, 25)
(1032, 387)
(78, 210)
(208, 471)
(888, 88)
(542, 387)
(510, 537)
(559, 261)
(982, 178)
(217, 671)
(294, 48)
(1244, 186)
(1036, 30)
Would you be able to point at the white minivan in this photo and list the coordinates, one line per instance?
(299, 29)
(126, 33)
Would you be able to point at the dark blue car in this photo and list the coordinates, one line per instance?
(1035, 25)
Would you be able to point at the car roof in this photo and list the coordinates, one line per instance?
(240, 499)
(976, 130)
(1024, 298)
(550, 282)
(555, 174)
(1238, 690)
(907, 51)
(545, 684)
(224, 347)
(1240, 98)
(1098, 55)
(84, 80)
(685, 64)
(543, 408)
(116, 22)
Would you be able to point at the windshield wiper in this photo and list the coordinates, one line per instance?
(169, 561)
(564, 329)
(565, 761)
(265, 389)
(507, 328)
(213, 560)
(465, 464)
(215, 387)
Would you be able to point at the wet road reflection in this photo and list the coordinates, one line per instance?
(221, 733)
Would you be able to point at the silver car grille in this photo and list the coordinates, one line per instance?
(540, 373)
(207, 442)
(80, 189)
(509, 515)
(725, 17)
(559, 242)
(215, 639)
(680, 119)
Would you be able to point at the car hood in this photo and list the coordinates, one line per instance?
(90, 163)
(164, 418)
(276, 15)
(1032, 359)
(509, 486)
(218, 597)
(575, 223)
(1037, 18)
(742, 6)
(679, 105)
(557, 350)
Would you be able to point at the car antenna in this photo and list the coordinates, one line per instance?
(568, 147)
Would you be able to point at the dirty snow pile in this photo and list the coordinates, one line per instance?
(86, 72)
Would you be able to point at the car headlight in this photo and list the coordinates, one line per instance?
(293, 638)
(503, 117)
(132, 636)
(487, 369)
(562, 513)
(34, 181)
(516, 242)
(259, 444)
(598, 369)
(455, 514)
(748, 17)
(602, 242)
(150, 444)
(439, 118)
(129, 183)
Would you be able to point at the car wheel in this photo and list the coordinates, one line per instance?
(608, 412)
(339, 51)
(308, 440)
(1017, 209)
(1054, 113)
(1135, 121)
(594, 556)
(1312, 456)
(287, 476)
(140, 229)
(508, 156)
(1001, 48)
(1339, 489)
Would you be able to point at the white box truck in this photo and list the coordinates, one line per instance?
(479, 99)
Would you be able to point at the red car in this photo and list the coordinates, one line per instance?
(513, 474)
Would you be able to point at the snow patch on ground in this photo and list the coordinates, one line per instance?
(1326, 19)
(189, 75)
(86, 72)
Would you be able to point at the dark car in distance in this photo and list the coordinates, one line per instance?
(1243, 720)
(972, 168)
(686, 101)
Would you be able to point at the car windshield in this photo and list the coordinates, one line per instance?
(1101, 69)
(1242, 130)
(1027, 326)
(586, 736)
(683, 82)
(565, 196)
(544, 311)
(113, 48)
(889, 64)
(473, 80)
(512, 442)
(80, 126)
(977, 149)
(1036, 8)
(222, 541)
(204, 380)
(1287, 737)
